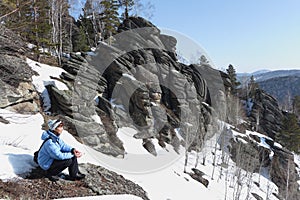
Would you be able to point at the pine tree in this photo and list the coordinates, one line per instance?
(29, 18)
(11, 9)
(15, 15)
(39, 31)
(232, 76)
(252, 85)
(290, 134)
(128, 6)
(296, 105)
(109, 17)
(80, 41)
(91, 21)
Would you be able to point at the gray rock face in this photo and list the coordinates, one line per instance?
(266, 110)
(16, 90)
(137, 83)
(104, 182)
(157, 93)
(283, 172)
(78, 105)
(253, 157)
(250, 157)
(197, 175)
(11, 43)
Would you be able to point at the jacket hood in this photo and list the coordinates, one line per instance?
(48, 133)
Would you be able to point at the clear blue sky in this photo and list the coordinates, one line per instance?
(249, 34)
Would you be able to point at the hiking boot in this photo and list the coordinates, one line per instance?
(53, 178)
(78, 176)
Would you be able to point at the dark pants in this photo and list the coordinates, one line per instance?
(59, 165)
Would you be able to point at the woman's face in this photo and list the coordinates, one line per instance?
(59, 129)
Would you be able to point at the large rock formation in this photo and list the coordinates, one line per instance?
(137, 82)
(16, 90)
(78, 106)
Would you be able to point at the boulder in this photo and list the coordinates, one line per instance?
(16, 90)
(198, 176)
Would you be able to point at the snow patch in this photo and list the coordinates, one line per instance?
(129, 76)
(45, 71)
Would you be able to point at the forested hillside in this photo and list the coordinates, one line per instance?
(284, 89)
(52, 31)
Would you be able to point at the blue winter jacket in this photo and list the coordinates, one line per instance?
(53, 149)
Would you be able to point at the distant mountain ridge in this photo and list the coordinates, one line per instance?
(282, 88)
(263, 75)
(281, 84)
(253, 73)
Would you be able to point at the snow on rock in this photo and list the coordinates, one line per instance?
(45, 71)
(31, 46)
(43, 79)
(242, 140)
(129, 76)
(20, 138)
(167, 182)
(258, 134)
(278, 145)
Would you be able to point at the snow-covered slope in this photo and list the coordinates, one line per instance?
(22, 137)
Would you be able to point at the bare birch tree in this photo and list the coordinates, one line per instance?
(58, 9)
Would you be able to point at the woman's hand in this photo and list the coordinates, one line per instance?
(77, 153)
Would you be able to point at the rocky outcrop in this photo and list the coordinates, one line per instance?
(250, 152)
(103, 182)
(11, 43)
(265, 116)
(157, 93)
(198, 176)
(284, 174)
(137, 82)
(253, 153)
(98, 181)
(84, 111)
(16, 90)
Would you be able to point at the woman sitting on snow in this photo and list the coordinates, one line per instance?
(55, 156)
